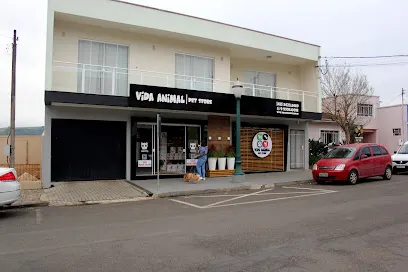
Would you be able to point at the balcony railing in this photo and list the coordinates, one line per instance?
(106, 80)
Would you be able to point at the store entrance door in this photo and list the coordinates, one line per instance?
(297, 149)
(177, 147)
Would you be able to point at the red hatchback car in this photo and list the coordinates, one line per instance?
(353, 162)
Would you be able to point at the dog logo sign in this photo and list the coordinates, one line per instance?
(193, 146)
(144, 146)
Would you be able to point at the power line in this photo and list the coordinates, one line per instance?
(367, 57)
(389, 102)
(5, 36)
(367, 65)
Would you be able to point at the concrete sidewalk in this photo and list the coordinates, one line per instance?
(80, 193)
(177, 187)
(92, 192)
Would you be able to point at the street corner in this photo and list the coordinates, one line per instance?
(264, 195)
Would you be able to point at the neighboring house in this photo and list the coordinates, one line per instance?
(325, 130)
(111, 66)
(393, 129)
(328, 131)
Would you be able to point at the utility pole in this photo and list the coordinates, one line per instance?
(13, 103)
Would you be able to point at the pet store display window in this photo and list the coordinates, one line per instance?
(178, 146)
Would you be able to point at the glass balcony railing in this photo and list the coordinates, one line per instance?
(105, 80)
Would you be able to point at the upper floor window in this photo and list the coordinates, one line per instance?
(194, 72)
(364, 110)
(102, 68)
(329, 136)
(396, 131)
(262, 84)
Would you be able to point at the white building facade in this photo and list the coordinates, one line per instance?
(110, 70)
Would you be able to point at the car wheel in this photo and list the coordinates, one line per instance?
(353, 177)
(387, 173)
(321, 182)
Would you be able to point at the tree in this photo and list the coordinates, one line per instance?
(343, 90)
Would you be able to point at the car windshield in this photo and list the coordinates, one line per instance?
(403, 149)
(341, 153)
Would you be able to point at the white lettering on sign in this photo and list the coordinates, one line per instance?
(144, 163)
(143, 96)
(287, 108)
(172, 98)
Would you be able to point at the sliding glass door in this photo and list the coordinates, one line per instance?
(177, 148)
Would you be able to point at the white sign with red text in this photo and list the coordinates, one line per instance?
(144, 163)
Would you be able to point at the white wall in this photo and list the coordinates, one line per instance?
(146, 53)
(388, 119)
(136, 15)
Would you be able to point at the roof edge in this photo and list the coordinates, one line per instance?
(212, 21)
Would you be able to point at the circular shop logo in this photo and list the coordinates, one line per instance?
(262, 144)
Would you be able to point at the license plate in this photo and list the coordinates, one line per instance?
(323, 175)
(401, 166)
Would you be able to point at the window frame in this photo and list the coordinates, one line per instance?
(179, 76)
(253, 85)
(361, 108)
(117, 69)
(398, 133)
(321, 131)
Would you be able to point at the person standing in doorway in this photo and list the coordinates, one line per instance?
(202, 159)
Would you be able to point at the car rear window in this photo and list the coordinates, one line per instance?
(366, 151)
(376, 150)
(383, 150)
(341, 153)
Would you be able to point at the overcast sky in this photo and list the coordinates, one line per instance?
(340, 27)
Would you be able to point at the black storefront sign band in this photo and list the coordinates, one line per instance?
(142, 96)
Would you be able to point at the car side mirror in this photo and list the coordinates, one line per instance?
(364, 156)
(395, 152)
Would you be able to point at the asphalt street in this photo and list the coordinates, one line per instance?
(300, 228)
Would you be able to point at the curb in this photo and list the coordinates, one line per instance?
(240, 188)
(298, 182)
(97, 202)
(22, 206)
(140, 189)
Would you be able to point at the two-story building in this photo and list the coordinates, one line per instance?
(367, 116)
(393, 123)
(112, 66)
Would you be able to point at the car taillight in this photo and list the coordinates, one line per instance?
(8, 177)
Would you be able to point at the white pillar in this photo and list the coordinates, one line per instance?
(46, 150)
(306, 145)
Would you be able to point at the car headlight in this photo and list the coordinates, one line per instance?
(314, 166)
(340, 167)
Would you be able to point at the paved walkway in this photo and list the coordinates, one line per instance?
(91, 192)
(30, 198)
(176, 186)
